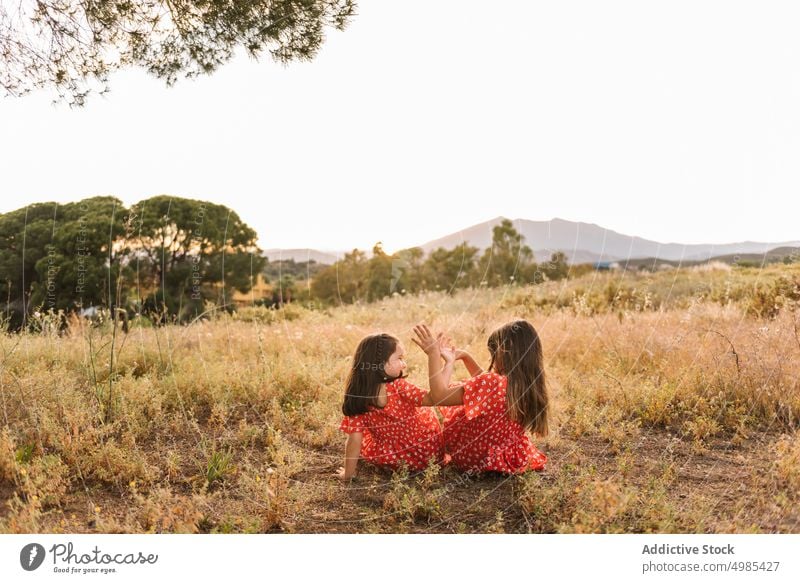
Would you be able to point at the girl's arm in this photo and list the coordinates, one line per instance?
(472, 366)
(454, 395)
(352, 451)
(441, 393)
(438, 375)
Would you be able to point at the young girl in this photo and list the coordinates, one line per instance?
(488, 431)
(382, 411)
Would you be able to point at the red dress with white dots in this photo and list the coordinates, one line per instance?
(479, 436)
(401, 431)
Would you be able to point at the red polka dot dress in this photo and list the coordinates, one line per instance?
(401, 431)
(479, 436)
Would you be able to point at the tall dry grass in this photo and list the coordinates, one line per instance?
(222, 426)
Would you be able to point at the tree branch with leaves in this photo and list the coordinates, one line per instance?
(74, 45)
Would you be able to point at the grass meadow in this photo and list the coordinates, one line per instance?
(676, 407)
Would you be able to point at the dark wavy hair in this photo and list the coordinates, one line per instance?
(517, 354)
(367, 373)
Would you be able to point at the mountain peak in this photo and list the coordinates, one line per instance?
(588, 242)
(580, 242)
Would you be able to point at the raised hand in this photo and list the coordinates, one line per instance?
(426, 340)
(447, 350)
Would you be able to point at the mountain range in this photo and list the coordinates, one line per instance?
(300, 255)
(581, 242)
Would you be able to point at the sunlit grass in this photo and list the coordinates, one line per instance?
(231, 425)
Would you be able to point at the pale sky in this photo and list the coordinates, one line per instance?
(674, 121)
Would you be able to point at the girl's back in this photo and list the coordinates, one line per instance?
(480, 436)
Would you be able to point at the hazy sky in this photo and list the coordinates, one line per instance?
(674, 121)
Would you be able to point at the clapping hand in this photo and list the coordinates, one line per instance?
(433, 345)
(426, 340)
(447, 350)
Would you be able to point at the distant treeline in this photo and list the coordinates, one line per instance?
(508, 261)
(289, 280)
(172, 259)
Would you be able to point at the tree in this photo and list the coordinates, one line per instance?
(379, 274)
(73, 45)
(508, 260)
(84, 258)
(24, 238)
(299, 270)
(407, 271)
(343, 282)
(60, 257)
(356, 278)
(557, 267)
(449, 269)
(186, 252)
(284, 291)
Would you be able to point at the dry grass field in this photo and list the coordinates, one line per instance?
(676, 402)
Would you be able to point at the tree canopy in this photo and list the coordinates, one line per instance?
(80, 265)
(508, 259)
(166, 256)
(73, 45)
(189, 251)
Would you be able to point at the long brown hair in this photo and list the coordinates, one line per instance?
(517, 354)
(367, 373)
